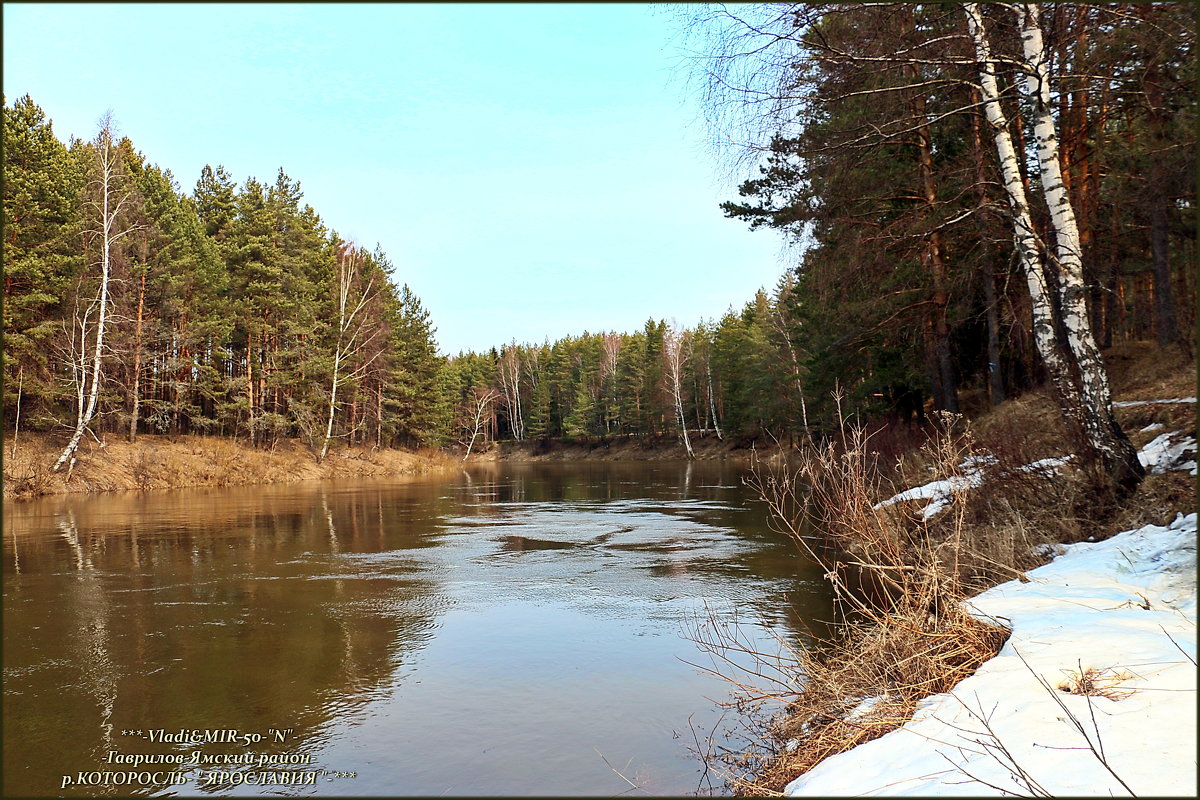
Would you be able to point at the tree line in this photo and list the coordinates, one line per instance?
(986, 194)
(738, 377)
(132, 306)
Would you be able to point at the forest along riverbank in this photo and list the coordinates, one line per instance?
(161, 462)
(614, 448)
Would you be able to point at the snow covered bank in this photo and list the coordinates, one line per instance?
(1165, 453)
(1123, 613)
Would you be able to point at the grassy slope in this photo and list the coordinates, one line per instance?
(160, 462)
(896, 651)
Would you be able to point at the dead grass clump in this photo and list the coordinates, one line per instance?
(1144, 371)
(1094, 682)
(23, 475)
(899, 584)
(870, 683)
(1156, 501)
(1024, 428)
(1018, 506)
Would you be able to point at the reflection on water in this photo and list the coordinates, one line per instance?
(515, 630)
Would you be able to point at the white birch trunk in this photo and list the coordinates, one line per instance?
(482, 401)
(673, 352)
(1084, 399)
(1097, 419)
(1045, 337)
(12, 453)
(137, 362)
(108, 217)
(348, 338)
(781, 327)
(337, 362)
(510, 383)
(712, 402)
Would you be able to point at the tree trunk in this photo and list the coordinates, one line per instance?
(673, 358)
(17, 413)
(687, 442)
(348, 333)
(250, 383)
(712, 401)
(1117, 454)
(1073, 361)
(110, 207)
(995, 375)
(987, 266)
(777, 317)
(337, 362)
(379, 417)
(945, 377)
(1025, 239)
(1165, 324)
(137, 360)
(482, 401)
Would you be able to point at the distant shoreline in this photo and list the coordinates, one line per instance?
(162, 462)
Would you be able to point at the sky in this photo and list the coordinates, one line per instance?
(532, 171)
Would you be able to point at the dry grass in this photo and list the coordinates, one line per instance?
(900, 578)
(1095, 682)
(1143, 371)
(159, 462)
(868, 684)
(1156, 502)
(899, 583)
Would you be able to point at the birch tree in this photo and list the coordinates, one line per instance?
(113, 197)
(477, 412)
(352, 297)
(1071, 355)
(673, 358)
(509, 371)
(609, 355)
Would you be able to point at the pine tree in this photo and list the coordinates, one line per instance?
(42, 256)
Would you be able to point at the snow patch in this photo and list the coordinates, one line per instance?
(1124, 607)
(1165, 453)
(1047, 466)
(941, 493)
(1131, 403)
(865, 707)
(1168, 452)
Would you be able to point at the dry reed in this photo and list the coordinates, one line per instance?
(898, 580)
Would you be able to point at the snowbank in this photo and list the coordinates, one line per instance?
(1124, 608)
(1169, 451)
(941, 493)
(1165, 453)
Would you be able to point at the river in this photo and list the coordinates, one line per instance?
(518, 629)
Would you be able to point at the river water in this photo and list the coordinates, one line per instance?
(519, 629)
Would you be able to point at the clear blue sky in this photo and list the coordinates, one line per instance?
(533, 171)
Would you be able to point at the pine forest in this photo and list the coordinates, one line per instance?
(135, 304)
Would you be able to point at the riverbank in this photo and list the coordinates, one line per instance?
(161, 462)
(1093, 693)
(1082, 692)
(614, 448)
